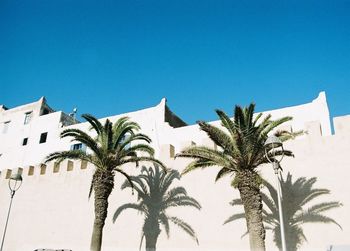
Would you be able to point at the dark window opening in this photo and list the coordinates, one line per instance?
(76, 146)
(25, 142)
(43, 137)
(27, 117)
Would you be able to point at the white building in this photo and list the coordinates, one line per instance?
(51, 210)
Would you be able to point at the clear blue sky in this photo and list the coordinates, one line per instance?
(110, 57)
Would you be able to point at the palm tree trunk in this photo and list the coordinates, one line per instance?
(151, 230)
(103, 186)
(151, 242)
(250, 194)
(293, 238)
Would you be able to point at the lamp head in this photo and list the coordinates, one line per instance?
(271, 147)
(15, 183)
(16, 177)
(273, 142)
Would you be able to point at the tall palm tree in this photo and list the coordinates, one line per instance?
(240, 152)
(154, 198)
(296, 197)
(113, 146)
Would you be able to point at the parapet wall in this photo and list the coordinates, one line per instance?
(52, 210)
(167, 152)
(49, 169)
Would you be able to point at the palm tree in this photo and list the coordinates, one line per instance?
(154, 198)
(240, 152)
(296, 197)
(112, 147)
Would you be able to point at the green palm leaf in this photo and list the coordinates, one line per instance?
(241, 151)
(108, 151)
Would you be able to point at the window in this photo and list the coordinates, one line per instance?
(43, 138)
(5, 127)
(76, 146)
(27, 117)
(25, 142)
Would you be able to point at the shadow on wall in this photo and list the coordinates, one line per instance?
(297, 196)
(154, 198)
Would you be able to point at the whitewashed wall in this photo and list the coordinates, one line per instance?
(52, 210)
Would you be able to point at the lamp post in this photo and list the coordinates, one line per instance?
(15, 183)
(273, 145)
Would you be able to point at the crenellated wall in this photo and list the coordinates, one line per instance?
(52, 210)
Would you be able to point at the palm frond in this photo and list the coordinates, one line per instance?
(184, 226)
(94, 123)
(310, 217)
(236, 202)
(91, 189)
(167, 180)
(128, 178)
(165, 222)
(182, 201)
(223, 172)
(177, 191)
(226, 122)
(205, 157)
(142, 158)
(198, 164)
(72, 154)
(127, 206)
(284, 135)
(155, 198)
(314, 193)
(132, 138)
(321, 207)
(219, 137)
(235, 217)
(139, 148)
(275, 123)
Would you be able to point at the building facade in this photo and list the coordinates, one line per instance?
(52, 210)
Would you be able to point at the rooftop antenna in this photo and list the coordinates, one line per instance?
(74, 113)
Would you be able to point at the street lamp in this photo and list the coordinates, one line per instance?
(15, 183)
(273, 151)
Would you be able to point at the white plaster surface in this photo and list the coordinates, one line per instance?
(53, 210)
